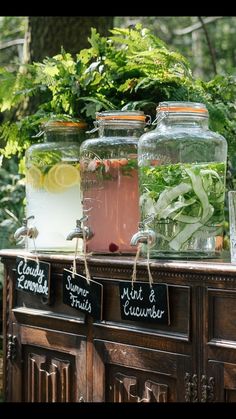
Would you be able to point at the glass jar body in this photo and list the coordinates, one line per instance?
(109, 178)
(53, 188)
(182, 171)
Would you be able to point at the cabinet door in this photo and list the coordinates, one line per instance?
(48, 367)
(125, 373)
(219, 384)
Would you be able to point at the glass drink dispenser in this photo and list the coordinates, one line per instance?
(182, 168)
(109, 179)
(53, 199)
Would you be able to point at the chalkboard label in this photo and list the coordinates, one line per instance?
(33, 276)
(144, 303)
(78, 294)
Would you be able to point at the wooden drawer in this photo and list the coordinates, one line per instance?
(180, 309)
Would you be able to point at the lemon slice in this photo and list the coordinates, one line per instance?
(50, 183)
(66, 175)
(34, 177)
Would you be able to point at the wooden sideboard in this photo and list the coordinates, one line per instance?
(53, 352)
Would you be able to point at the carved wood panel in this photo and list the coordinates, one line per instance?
(128, 388)
(125, 373)
(48, 377)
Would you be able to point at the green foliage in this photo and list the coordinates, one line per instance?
(222, 108)
(12, 193)
(185, 34)
(131, 69)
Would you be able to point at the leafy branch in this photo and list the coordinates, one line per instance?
(130, 69)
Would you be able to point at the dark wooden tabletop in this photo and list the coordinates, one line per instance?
(195, 266)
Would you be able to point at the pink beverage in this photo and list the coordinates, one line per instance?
(110, 200)
(109, 181)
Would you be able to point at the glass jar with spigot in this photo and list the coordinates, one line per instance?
(182, 168)
(109, 179)
(53, 185)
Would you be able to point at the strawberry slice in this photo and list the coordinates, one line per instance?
(113, 247)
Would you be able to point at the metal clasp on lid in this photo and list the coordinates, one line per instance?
(160, 116)
(96, 127)
(149, 120)
(39, 134)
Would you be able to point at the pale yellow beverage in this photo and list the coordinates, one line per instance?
(53, 198)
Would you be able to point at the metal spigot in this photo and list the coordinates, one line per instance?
(24, 230)
(79, 231)
(144, 235)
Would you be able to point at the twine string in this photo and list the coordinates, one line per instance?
(75, 255)
(26, 248)
(87, 273)
(150, 278)
(36, 251)
(134, 274)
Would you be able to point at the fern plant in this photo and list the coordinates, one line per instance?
(130, 69)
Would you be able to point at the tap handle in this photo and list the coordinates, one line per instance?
(78, 224)
(32, 232)
(86, 229)
(31, 217)
(80, 221)
(25, 220)
(141, 226)
(147, 220)
(84, 218)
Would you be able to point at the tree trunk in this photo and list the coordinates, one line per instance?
(197, 54)
(47, 34)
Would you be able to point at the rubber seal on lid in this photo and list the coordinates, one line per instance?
(121, 116)
(182, 107)
(58, 124)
